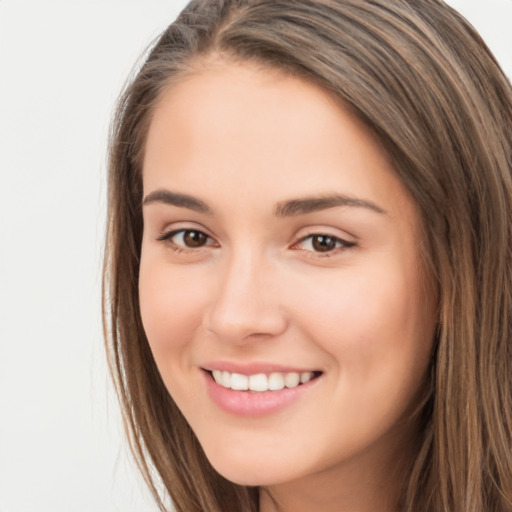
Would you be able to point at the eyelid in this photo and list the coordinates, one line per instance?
(167, 235)
(171, 228)
(342, 243)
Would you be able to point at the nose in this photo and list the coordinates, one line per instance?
(246, 303)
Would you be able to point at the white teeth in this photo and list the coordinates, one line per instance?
(305, 377)
(217, 375)
(291, 380)
(260, 382)
(239, 382)
(275, 381)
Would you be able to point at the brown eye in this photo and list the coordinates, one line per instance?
(194, 238)
(187, 239)
(323, 243)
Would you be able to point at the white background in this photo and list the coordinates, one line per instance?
(62, 64)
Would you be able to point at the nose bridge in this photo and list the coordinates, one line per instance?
(245, 303)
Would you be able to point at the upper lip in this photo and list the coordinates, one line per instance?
(253, 368)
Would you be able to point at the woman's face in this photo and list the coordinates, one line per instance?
(280, 249)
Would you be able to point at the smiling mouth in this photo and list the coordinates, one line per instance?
(261, 382)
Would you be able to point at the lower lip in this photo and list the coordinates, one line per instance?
(247, 403)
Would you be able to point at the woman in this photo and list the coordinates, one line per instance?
(307, 281)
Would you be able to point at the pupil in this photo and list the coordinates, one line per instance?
(194, 238)
(323, 243)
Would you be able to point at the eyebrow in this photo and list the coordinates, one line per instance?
(288, 208)
(313, 204)
(176, 199)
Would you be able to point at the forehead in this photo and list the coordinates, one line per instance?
(261, 132)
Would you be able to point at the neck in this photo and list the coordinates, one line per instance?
(321, 494)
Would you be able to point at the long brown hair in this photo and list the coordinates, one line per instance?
(423, 80)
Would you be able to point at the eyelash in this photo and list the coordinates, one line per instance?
(339, 243)
(168, 238)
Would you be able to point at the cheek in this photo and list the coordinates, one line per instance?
(378, 325)
(170, 309)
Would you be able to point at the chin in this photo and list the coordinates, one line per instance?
(255, 474)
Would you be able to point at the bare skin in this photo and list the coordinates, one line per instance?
(277, 235)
